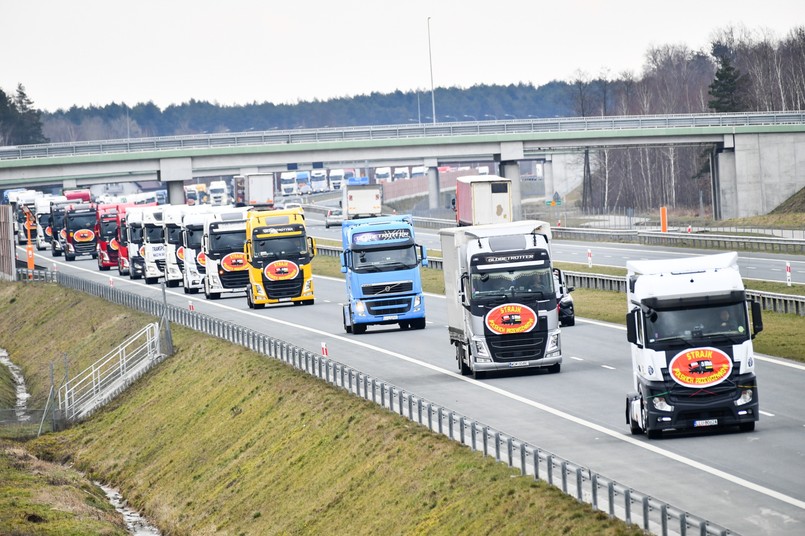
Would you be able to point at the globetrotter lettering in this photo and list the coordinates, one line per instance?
(700, 367)
(281, 270)
(511, 319)
(510, 258)
(382, 236)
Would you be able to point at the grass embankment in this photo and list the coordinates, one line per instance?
(219, 440)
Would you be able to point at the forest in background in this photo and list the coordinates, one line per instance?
(741, 71)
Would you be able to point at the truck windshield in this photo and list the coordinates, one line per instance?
(108, 229)
(136, 234)
(155, 234)
(686, 324)
(384, 260)
(525, 282)
(174, 233)
(227, 242)
(80, 221)
(193, 237)
(287, 180)
(44, 220)
(280, 248)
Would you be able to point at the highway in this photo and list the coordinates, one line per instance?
(752, 483)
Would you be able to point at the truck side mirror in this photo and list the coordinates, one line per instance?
(757, 318)
(311, 246)
(464, 283)
(343, 258)
(423, 254)
(453, 204)
(631, 327)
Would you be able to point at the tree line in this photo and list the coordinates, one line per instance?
(742, 70)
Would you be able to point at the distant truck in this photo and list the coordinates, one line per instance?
(303, 183)
(383, 174)
(419, 171)
(688, 326)
(318, 180)
(79, 231)
(218, 193)
(279, 254)
(401, 173)
(256, 189)
(361, 200)
(44, 233)
(336, 178)
(483, 199)
(106, 232)
(288, 183)
(501, 301)
(381, 261)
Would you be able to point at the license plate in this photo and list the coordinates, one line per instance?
(390, 317)
(706, 422)
(519, 364)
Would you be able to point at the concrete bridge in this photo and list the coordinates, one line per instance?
(758, 159)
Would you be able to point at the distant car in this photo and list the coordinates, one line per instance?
(292, 205)
(334, 216)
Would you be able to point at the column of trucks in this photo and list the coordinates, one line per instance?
(279, 255)
(222, 243)
(501, 301)
(381, 260)
(688, 325)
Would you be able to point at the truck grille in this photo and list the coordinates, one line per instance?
(277, 290)
(723, 392)
(239, 279)
(84, 248)
(161, 266)
(525, 346)
(392, 287)
(396, 306)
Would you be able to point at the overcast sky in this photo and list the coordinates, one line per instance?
(87, 52)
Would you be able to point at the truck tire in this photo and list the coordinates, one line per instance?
(69, 258)
(747, 426)
(462, 366)
(651, 434)
(555, 368)
(418, 323)
(359, 329)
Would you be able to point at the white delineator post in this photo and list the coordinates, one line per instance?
(788, 273)
(324, 350)
(589, 258)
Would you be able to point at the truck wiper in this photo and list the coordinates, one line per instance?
(675, 339)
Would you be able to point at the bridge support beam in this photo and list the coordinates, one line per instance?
(175, 171)
(511, 171)
(433, 184)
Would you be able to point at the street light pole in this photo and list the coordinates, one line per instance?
(432, 94)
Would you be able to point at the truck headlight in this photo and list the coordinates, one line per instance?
(481, 353)
(308, 285)
(745, 398)
(553, 344)
(258, 289)
(417, 300)
(360, 308)
(661, 404)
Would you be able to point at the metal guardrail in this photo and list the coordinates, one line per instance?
(80, 396)
(602, 493)
(406, 131)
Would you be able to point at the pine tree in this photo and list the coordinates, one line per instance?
(729, 87)
(26, 120)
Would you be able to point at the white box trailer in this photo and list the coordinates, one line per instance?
(483, 199)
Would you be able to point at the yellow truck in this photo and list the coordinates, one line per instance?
(279, 254)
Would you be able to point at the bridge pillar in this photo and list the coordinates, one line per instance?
(175, 171)
(433, 184)
(511, 171)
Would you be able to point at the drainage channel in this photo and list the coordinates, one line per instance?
(137, 525)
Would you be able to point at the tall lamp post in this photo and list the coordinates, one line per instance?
(432, 94)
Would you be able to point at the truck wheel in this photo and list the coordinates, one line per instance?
(172, 283)
(651, 434)
(69, 258)
(359, 329)
(555, 368)
(462, 366)
(418, 323)
(56, 252)
(150, 280)
(478, 375)
(308, 302)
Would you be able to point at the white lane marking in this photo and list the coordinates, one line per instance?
(525, 401)
(766, 413)
(576, 358)
(607, 367)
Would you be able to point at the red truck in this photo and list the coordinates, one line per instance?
(106, 231)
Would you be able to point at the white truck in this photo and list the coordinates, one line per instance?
(318, 180)
(172, 216)
(255, 189)
(482, 199)
(218, 193)
(401, 174)
(223, 244)
(501, 301)
(194, 261)
(154, 250)
(336, 178)
(361, 200)
(688, 325)
(288, 183)
(383, 174)
(44, 233)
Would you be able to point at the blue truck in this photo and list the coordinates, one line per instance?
(381, 260)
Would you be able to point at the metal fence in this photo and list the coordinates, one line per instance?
(604, 494)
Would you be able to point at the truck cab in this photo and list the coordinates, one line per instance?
(222, 244)
(154, 248)
(279, 254)
(44, 232)
(381, 260)
(690, 330)
(79, 231)
(288, 183)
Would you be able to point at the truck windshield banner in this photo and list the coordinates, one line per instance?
(285, 230)
(281, 270)
(389, 235)
(537, 257)
(700, 367)
(511, 319)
